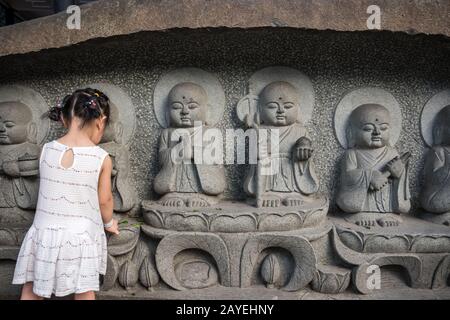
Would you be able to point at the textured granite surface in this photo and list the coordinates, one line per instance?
(412, 68)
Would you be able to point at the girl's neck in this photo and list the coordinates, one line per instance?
(76, 138)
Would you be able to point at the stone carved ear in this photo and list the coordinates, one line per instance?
(350, 137)
(258, 119)
(32, 132)
(119, 132)
(437, 134)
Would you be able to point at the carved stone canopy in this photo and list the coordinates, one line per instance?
(34, 101)
(429, 112)
(361, 96)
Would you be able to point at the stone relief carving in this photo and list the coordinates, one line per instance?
(193, 239)
(115, 141)
(435, 125)
(280, 99)
(22, 130)
(187, 102)
(374, 176)
(420, 248)
(282, 245)
(130, 261)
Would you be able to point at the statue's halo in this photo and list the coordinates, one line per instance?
(263, 77)
(429, 112)
(209, 82)
(367, 95)
(124, 106)
(36, 103)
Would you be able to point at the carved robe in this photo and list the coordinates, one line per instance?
(436, 193)
(179, 176)
(123, 194)
(355, 195)
(292, 175)
(19, 186)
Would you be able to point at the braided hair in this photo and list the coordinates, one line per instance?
(86, 104)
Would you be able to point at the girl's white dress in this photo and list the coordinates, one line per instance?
(65, 249)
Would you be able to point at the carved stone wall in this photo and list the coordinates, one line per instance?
(411, 68)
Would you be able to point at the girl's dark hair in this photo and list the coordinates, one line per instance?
(87, 104)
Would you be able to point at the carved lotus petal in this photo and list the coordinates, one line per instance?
(124, 242)
(388, 244)
(352, 240)
(431, 244)
(129, 274)
(153, 218)
(331, 280)
(271, 270)
(112, 272)
(140, 253)
(186, 222)
(240, 223)
(148, 276)
(278, 222)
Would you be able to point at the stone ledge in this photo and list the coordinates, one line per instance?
(107, 18)
(262, 293)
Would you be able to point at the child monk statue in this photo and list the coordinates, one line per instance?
(19, 164)
(186, 183)
(374, 178)
(435, 197)
(293, 181)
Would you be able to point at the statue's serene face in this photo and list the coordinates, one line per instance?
(187, 103)
(279, 104)
(14, 120)
(370, 125)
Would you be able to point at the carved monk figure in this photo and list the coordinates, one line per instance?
(123, 193)
(185, 182)
(293, 180)
(374, 178)
(19, 164)
(435, 197)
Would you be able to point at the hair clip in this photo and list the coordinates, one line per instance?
(97, 94)
(90, 104)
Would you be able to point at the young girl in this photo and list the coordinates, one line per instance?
(64, 251)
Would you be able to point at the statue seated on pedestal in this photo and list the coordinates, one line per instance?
(435, 197)
(293, 181)
(181, 181)
(374, 177)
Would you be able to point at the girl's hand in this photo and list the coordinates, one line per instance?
(114, 229)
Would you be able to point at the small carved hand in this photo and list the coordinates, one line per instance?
(395, 167)
(303, 154)
(378, 181)
(11, 168)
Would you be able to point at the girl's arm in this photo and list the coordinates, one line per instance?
(105, 196)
